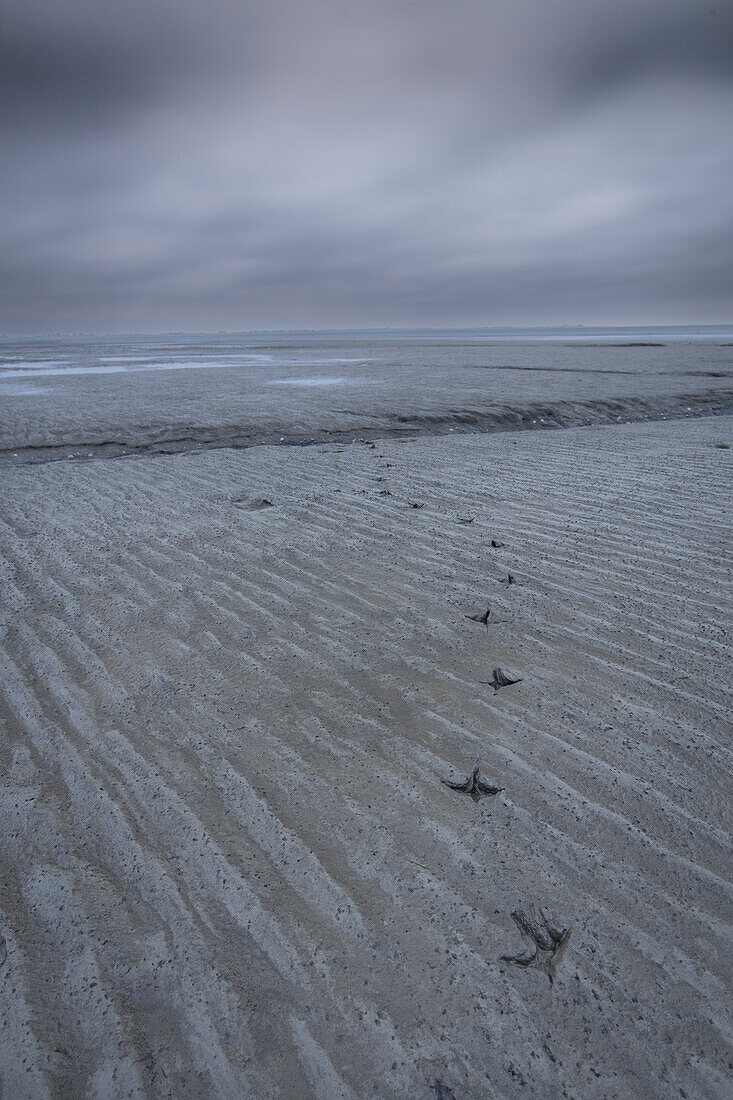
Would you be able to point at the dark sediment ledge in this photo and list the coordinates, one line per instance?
(497, 418)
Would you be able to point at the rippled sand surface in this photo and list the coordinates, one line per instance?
(232, 684)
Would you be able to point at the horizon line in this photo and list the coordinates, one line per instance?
(395, 329)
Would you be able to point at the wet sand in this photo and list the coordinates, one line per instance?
(230, 866)
(63, 399)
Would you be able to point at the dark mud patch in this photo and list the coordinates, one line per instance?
(142, 441)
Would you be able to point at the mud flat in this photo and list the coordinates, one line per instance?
(232, 686)
(64, 399)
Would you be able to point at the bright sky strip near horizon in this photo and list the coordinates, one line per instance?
(173, 165)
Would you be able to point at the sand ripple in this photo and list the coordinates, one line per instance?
(229, 866)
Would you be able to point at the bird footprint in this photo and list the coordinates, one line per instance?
(483, 619)
(473, 785)
(255, 505)
(547, 942)
(500, 679)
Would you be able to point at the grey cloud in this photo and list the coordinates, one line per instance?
(693, 40)
(222, 165)
(83, 62)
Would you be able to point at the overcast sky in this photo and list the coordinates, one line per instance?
(237, 164)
